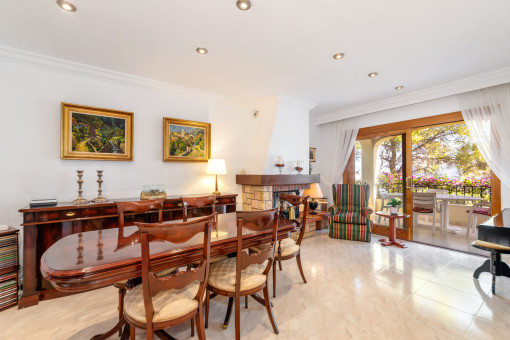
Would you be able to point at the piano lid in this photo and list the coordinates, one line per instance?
(500, 220)
(496, 229)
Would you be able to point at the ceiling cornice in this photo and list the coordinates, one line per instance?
(14, 55)
(481, 81)
(282, 99)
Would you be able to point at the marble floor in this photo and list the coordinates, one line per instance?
(355, 290)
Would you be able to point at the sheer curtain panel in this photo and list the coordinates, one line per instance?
(336, 144)
(487, 116)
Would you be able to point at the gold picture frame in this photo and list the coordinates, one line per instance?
(312, 152)
(186, 140)
(92, 133)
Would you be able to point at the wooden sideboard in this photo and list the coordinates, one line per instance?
(43, 226)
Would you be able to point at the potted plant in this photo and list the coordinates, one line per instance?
(394, 204)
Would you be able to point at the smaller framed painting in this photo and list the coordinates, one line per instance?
(312, 154)
(186, 140)
(93, 133)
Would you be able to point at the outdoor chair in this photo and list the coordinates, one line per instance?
(425, 204)
(482, 209)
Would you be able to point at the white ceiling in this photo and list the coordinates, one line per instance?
(279, 46)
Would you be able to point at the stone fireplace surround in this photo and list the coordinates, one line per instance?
(260, 191)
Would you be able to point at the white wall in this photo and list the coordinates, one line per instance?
(420, 110)
(290, 137)
(30, 138)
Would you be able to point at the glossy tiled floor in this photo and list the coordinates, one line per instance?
(355, 290)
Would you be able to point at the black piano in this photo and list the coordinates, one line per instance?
(495, 231)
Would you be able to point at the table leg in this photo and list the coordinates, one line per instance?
(392, 239)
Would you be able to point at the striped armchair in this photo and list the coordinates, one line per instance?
(350, 216)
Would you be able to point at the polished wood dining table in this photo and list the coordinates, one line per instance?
(94, 259)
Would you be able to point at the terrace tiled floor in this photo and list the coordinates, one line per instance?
(355, 290)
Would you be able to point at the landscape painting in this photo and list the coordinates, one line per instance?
(94, 133)
(186, 141)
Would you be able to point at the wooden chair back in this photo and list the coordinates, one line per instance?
(175, 233)
(197, 202)
(135, 207)
(258, 221)
(295, 200)
(424, 201)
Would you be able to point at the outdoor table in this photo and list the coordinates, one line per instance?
(445, 213)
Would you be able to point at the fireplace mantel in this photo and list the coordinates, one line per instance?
(276, 179)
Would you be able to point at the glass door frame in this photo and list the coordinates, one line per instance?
(405, 128)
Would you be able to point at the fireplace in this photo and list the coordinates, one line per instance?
(260, 192)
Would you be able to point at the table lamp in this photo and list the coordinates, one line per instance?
(216, 167)
(314, 192)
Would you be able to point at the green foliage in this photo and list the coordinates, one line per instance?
(395, 202)
(434, 149)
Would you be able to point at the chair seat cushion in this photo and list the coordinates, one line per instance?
(166, 272)
(490, 245)
(212, 260)
(222, 275)
(480, 211)
(289, 246)
(423, 210)
(168, 305)
(350, 217)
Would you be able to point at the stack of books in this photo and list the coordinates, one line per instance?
(8, 269)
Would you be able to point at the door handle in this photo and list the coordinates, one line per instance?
(409, 183)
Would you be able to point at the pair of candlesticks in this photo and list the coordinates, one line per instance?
(99, 198)
(280, 164)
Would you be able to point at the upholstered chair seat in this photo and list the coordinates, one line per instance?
(222, 275)
(289, 246)
(166, 272)
(168, 305)
(213, 260)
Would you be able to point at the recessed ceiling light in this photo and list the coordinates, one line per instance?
(400, 87)
(243, 5)
(202, 50)
(66, 6)
(372, 75)
(338, 56)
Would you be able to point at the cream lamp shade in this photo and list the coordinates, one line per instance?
(216, 167)
(314, 191)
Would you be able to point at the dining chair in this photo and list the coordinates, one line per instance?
(289, 248)
(425, 204)
(482, 209)
(197, 202)
(246, 274)
(163, 302)
(135, 207)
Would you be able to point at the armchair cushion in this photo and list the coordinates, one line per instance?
(353, 232)
(350, 217)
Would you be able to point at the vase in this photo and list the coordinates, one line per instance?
(394, 210)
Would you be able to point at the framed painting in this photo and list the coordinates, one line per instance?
(186, 140)
(311, 154)
(93, 133)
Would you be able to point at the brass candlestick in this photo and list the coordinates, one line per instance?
(80, 199)
(100, 198)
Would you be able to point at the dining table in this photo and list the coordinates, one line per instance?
(94, 259)
(444, 200)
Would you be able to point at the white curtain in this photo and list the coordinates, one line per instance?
(336, 144)
(487, 116)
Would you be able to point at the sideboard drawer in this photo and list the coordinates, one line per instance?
(69, 214)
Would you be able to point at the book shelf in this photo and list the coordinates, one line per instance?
(9, 267)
